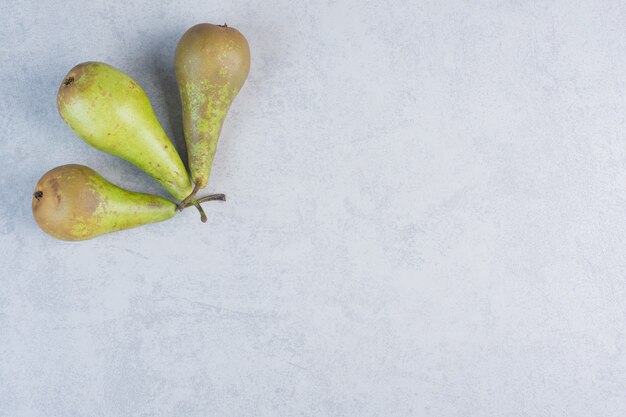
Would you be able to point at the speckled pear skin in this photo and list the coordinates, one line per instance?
(110, 111)
(212, 63)
(73, 202)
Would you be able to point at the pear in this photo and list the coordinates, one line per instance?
(212, 63)
(73, 202)
(110, 111)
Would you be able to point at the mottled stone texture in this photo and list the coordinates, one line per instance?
(426, 216)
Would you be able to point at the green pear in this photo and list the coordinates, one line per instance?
(73, 202)
(110, 111)
(212, 63)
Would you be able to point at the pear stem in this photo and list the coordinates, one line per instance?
(212, 197)
(196, 204)
(187, 200)
(201, 210)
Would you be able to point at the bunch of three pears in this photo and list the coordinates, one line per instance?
(110, 111)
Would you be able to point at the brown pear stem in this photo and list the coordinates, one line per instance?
(212, 197)
(196, 204)
(187, 200)
(201, 210)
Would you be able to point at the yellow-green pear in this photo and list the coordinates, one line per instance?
(212, 63)
(73, 202)
(110, 111)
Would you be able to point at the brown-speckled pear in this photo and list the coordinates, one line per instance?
(212, 63)
(73, 202)
(110, 111)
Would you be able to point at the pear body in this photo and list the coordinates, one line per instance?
(111, 112)
(212, 63)
(74, 202)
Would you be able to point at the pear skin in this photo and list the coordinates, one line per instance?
(212, 63)
(110, 111)
(73, 202)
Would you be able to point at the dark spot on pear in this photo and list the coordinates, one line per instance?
(69, 80)
(38, 195)
(90, 202)
(54, 184)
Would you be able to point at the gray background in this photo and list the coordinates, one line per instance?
(425, 217)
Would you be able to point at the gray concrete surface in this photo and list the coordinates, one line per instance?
(425, 217)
